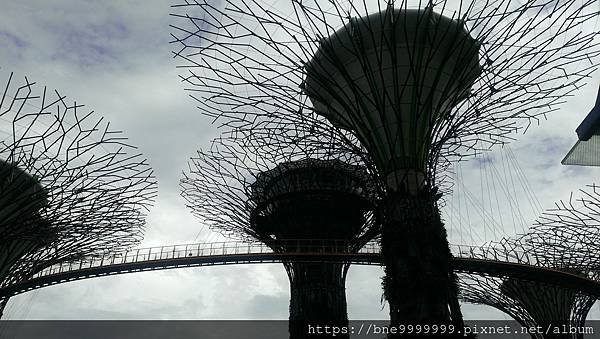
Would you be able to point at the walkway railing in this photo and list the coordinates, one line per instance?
(304, 246)
(565, 261)
(467, 259)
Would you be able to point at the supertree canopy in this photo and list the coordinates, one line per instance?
(532, 303)
(403, 71)
(493, 67)
(70, 186)
(550, 306)
(291, 201)
(23, 229)
(406, 85)
(563, 238)
(302, 199)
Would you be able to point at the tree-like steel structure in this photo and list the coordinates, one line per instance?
(534, 304)
(70, 186)
(563, 238)
(417, 85)
(292, 201)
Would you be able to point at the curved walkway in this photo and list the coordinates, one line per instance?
(228, 253)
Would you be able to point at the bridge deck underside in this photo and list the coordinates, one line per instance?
(465, 265)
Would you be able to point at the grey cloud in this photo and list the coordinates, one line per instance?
(263, 306)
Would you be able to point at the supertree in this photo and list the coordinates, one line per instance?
(70, 186)
(533, 304)
(563, 238)
(416, 84)
(292, 201)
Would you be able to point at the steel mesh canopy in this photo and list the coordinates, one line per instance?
(563, 238)
(546, 303)
(224, 186)
(246, 63)
(528, 299)
(390, 77)
(570, 230)
(71, 186)
(311, 175)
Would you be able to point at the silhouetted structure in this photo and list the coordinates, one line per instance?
(417, 87)
(564, 238)
(309, 196)
(70, 186)
(531, 303)
(586, 151)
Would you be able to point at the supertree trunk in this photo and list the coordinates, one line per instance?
(552, 308)
(580, 313)
(317, 298)
(419, 284)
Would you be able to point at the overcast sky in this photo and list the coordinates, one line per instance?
(114, 57)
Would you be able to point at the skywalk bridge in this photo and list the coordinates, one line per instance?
(467, 259)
